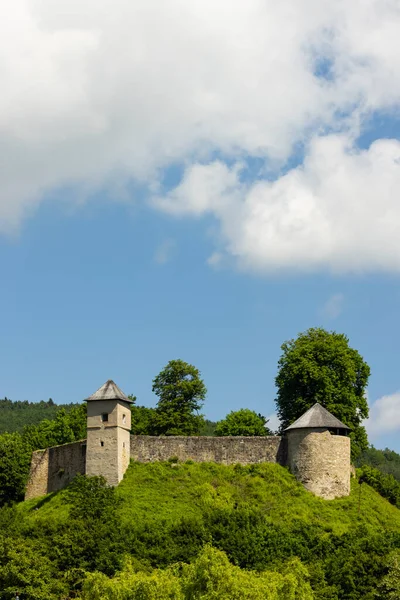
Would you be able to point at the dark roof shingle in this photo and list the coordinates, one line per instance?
(317, 416)
(109, 391)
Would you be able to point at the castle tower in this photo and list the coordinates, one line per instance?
(108, 433)
(319, 453)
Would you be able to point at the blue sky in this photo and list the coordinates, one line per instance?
(89, 297)
(187, 197)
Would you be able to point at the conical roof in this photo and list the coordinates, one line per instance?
(109, 391)
(317, 416)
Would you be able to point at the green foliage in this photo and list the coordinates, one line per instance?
(91, 499)
(389, 586)
(387, 461)
(24, 566)
(143, 420)
(181, 393)
(65, 428)
(94, 533)
(320, 366)
(242, 422)
(16, 448)
(208, 428)
(386, 485)
(15, 415)
(15, 458)
(210, 577)
(230, 528)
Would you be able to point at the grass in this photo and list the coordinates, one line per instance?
(170, 491)
(167, 492)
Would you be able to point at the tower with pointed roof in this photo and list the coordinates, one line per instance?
(319, 453)
(108, 433)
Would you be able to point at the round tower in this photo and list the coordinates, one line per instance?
(319, 453)
(108, 433)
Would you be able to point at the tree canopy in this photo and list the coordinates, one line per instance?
(16, 448)
(320, 366)
(242, 422)
(181, 393)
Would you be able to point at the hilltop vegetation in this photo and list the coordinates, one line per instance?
(16, 448)
(387, 461)
(186, 531)
(244, 532)
(15, 415)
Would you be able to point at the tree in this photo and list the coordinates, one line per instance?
(143, 419)
(320, 366)
(15, 458)
(389, 586)
(181, 393)
(208, 577)
(16, 449)
(242, 422)
(93, 539)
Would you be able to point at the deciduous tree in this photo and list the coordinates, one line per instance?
(243, 422)
(181, 393)
(320, 366)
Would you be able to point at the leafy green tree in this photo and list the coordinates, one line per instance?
(144, 420)
(25, 568)
(16, 449)
(209, 577)
(15, 415)
(389, 586)
(15, 458)
(65, 428)
(386, 461)
(93, 539)
(208, 428)
(181, 393)
(243, 422)
(320, 366)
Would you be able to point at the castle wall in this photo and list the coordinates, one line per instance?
(65, 462)
(320, 461)
(54, 468)
(38, 475)
(224, 450)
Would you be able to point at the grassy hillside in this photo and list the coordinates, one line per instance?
(169, 492)
(165, 513)
(15, 415)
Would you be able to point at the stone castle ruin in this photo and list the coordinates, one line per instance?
(316, 448)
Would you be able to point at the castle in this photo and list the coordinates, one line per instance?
(316, 448)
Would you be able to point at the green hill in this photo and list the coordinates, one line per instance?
(15, 415)
(259, 516)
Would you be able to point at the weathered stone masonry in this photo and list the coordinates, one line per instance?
(55, 468)
(223, 450)
(315, 447)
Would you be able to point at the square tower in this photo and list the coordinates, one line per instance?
(108, 433)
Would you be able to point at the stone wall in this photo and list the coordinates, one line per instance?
(320, 461)
(54, 468)
(224, 450)
(65, 462)
(38, 475)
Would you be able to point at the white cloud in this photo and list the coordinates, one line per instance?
(384, 415)
(333, 307)
(273, 422)
(339, 209)
(97, 92)
(165, 251)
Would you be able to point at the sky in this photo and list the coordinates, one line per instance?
(198, 180)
